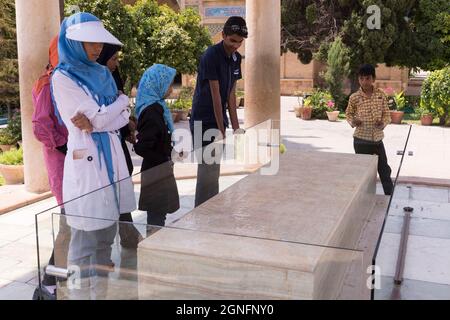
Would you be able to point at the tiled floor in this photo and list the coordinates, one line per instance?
(427, 269)
(427, 263)
(18, 258)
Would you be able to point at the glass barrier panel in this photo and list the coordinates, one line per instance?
(175, 263)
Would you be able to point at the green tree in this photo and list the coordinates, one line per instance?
(410, 35)
(9, 74)
(151, 34)
(338, 69)
(175, 39)
(118, 20)
(418, 43)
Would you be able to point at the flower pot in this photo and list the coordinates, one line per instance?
(175, 117)
(298, 111)
(306, 113)
(5, 147)
(13, 174)
(183, 115)
(426, 119)
(333, 115)
(397, 117)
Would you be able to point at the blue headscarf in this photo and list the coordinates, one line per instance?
(74, 63)
(153, 87)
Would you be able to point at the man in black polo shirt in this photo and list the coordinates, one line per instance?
(215, 91)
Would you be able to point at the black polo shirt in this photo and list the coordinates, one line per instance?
(214, 65)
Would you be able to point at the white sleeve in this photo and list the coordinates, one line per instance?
(71, 99)
(119, 122)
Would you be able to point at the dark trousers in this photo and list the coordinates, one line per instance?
(369, 147)
(156, 219)
(207, 174)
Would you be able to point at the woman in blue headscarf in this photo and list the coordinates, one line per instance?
(81, 89)
(159, 193)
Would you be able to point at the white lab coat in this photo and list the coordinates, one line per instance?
(84, 176)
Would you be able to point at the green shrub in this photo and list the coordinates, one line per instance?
(435, 94)
(6, 137)
(15, 127)
(13, 132)
(338, 68)
(182, 105)
(319, 101)
(422, 110)
(2, 180)
(12, 157)
(400, 101)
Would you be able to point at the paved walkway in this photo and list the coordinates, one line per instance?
(428, 258)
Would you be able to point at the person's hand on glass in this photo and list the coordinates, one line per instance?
(82, 122)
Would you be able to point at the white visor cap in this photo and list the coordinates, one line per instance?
(92, 31)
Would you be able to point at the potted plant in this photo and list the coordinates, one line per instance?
(332, 113)
(10, 135)
(397, 113)
(317, 103)
(7, 140)
(11, 166)
(181, 107)
(426, 116)
(298, 108)
(306, 110)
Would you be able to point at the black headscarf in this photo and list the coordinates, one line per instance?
(108, 51)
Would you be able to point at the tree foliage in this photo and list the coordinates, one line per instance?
(9, 74)
(435, 94)
(338, 69)
(413, 33)
(151, 34)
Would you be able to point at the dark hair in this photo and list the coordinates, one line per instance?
(236, 25)
(366, 70)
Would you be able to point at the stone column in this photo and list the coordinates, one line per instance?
(262, 61)
(37, 22)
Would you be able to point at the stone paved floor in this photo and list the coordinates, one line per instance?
(427, 267)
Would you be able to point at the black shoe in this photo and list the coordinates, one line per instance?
(43, 294)
(129, 236)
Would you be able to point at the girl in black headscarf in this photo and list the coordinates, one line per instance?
(109, 57)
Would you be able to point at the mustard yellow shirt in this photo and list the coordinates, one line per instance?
(369, 110)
